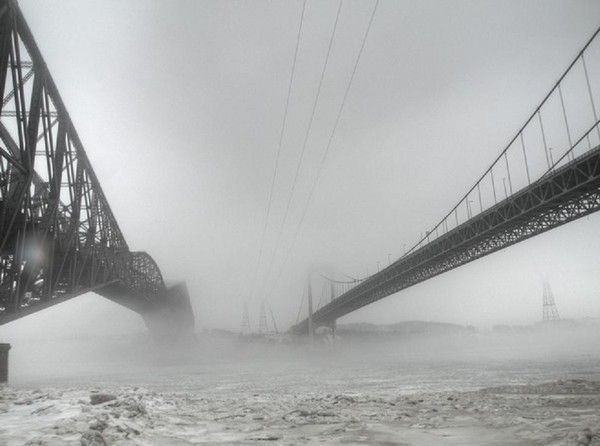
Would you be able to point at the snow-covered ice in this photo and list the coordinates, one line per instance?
(486, 392)
(559, 412)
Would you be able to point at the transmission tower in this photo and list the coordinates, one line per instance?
(245, 329)
(273, 320)
(262, 320)
(550, 312)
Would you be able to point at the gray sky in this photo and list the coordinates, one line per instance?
(179, 105)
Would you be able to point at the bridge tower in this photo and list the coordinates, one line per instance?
(549, 310)
(311, 328)
(331, 298)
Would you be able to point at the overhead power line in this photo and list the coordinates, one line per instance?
(304, 143)
(330, 140)
(278, 153)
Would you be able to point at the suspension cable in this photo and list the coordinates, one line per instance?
(353, 280)
(502, 153)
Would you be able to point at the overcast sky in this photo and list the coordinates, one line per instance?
(179, 105)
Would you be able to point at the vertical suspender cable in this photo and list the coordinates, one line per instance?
(544, 139)
(564, 110)
(525, 158)
(508, 172)
(493, 185)
(589, 87)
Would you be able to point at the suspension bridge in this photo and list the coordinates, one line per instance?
(58, 236)
(546, 176)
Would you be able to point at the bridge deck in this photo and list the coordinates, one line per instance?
(566, 194)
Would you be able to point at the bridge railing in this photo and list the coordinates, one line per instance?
(563, 126)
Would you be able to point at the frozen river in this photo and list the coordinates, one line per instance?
(533, 388)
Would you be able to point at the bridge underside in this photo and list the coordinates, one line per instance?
(566, 194)
(166, 315)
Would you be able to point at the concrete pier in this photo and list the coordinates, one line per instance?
(173, 319)
(4, 348)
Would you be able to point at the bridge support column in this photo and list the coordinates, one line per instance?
(311, 327)
(4, 348)
(174, 319)
(332, 324)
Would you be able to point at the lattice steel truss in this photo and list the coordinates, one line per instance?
(58, 235)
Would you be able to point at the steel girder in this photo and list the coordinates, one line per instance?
(561, 196)
(58, 235)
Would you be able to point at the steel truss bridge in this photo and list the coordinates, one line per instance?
(548, 175)
(58, 235)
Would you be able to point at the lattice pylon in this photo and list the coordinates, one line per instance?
(549, 310)
(262, 320)
(245, 329)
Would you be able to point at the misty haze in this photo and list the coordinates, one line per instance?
(299, 222)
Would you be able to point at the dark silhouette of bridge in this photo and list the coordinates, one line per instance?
(548, 175)
(58, 235)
